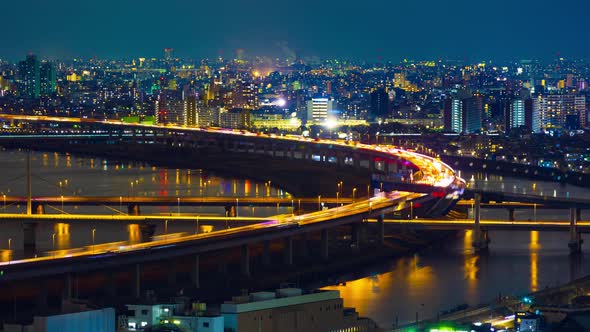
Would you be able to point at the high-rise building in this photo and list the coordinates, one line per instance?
(318, 110)
(463, 113)
(170, 108)
(379, 105)
(519, 112)
(554, 109)
(29, 77)
(237, 118)
(47, 79)
(245, 95)
(190, 110)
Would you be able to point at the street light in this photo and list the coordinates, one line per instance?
(197, 232)
(9, 250)
(4, 197)
(319, 202)
(178, 199)
(166, 227)
(62, 203)
(292, 208)
(237, 207)
(337, 198)
(353, 192)
(131, 193)
(53, 241)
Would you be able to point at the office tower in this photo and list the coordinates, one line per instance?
(519, 112)
(29, 77)
(554, 109)
(237, 118)
(463, 113)
(379, 105)
(190, 110)
(318, 110)
(245, 95)
(47, 79)
(170, 108)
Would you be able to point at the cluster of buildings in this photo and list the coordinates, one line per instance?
(284, 94)
(284, 310)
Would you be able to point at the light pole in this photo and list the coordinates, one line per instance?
(178, 200)
(337, 198)
(197, 231)
(53, 241)
(120, 203)
(319, 200)
(292, 208)
(62, 203)
(237, 207)
(411, 210)
(369, 191)
(353, 192)
(4, 197)
(166, 228)
(131, 192)
(9, 250)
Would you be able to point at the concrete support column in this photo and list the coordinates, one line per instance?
(68, 291)
(38, 208)
(511, 215)
(41, 302)
(292, 152)
(266, 253)
(356, 235)
(195, 277)
(30, 236)
(578, 214)
(146, 232)
(111, 286)
(133, 209)
(371, 164)
(303, 250)
(288, 251)
(357, 162)
(575, 243)
(480, 239)
(325, 245)
(386, 166)
(245, 266)
(171, 272)
(137, 281)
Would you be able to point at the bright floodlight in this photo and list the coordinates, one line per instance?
(331, 123)
(281, 102)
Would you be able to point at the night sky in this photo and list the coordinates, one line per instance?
(393, 30)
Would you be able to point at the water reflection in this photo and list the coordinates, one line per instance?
(534, 247)
(134, 233)
(61, 236)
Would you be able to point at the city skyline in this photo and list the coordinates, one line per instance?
(380, 30)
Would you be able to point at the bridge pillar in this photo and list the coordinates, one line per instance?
(356, 236)
(266, 253)
(511, 215)
(245, 266)
(357, 162)
(288, 251)
(133, 209)
(303, 250)
(111, 286)
(195, 273)
(68, 290)
(41, 301)
(576, 241)
(30, 236)
(578, 214)
(171, 272)
(146, 232)
(480, 238)
(292, 152)
(325, 244)
(386, 166)
(38, 208)
(371, 164)
(137, 281)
